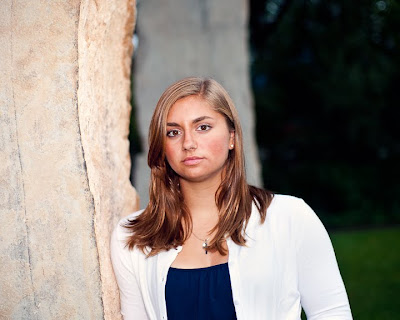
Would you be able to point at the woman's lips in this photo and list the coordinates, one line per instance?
(190, 161)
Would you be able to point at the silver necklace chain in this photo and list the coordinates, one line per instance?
(205, 242)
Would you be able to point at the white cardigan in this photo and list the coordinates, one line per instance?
(288, 262)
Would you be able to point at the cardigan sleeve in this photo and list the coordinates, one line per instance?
(322, 291)
(132, 305)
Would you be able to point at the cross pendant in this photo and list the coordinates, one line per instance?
(205, 245)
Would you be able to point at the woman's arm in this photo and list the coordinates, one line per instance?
(132, 305)
(323, 295)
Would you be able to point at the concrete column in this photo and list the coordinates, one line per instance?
(64, 158)
(180, 38)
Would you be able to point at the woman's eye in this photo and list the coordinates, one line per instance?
(204, 127)
(173, 133)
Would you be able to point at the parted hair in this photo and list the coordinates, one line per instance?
(166, 221)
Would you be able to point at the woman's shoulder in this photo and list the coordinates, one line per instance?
(287, 207)
(130, 217)
(288, 217)
(121, 230)
(283, 202)
(292, 213)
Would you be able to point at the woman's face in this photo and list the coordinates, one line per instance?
(198, 140)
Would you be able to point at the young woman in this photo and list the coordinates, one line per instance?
(210, 246)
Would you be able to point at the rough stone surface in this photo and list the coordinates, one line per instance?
(64, 163)
(105, 50)
(179, 38)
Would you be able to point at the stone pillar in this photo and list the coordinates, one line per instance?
(64, 155)
(180, 38)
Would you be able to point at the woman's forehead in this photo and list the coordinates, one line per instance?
(191, 106)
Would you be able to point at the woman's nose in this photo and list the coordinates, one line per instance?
(189, 142)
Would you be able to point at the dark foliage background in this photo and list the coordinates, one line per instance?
(326, 79)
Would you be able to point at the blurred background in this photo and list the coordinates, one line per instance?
(325, 79)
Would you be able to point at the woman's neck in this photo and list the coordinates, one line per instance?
(200, 200)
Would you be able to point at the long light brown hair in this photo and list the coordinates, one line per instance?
(166, 222)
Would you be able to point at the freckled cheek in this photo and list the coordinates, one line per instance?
(217, 146)
(171, 154)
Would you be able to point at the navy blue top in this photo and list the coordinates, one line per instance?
(199, 294)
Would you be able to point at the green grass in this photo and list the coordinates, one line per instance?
(369, 261)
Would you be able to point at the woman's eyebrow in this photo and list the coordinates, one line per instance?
(199, 119)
